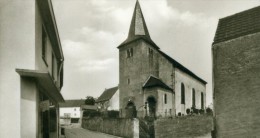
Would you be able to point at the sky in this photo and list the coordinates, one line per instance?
(91, 30)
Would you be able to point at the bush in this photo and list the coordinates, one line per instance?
(188, 111)
(113, 114)
(195, 110)
(209, 111)
(91, 113)
(179, 114)
(202, 111)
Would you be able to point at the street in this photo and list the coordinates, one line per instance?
(84, 133)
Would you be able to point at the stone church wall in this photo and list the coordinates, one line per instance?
(137, 69)
(236, 70)
(189, 83)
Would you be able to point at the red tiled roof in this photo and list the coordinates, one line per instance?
(240, 24)
(107, 94)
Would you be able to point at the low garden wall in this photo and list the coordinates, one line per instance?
(118, 126)
(199, 126)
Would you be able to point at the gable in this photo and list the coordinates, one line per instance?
(107, 94)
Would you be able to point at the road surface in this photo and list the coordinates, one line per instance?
(84, 133)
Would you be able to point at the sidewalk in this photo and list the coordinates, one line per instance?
(84, 133)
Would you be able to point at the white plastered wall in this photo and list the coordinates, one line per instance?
(17, 50)
(189, 83)
(114, 102)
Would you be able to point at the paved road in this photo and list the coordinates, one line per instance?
(84, 133)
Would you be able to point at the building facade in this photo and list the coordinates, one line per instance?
(108, 100)
(152, 82)
(31, 61)
(236, 75)
(71, 111)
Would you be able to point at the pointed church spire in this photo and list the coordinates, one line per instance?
(138, 25)
(138, 28)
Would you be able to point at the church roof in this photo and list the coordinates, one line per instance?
(181, 67)
(107, 94)
(240, 24)
(138, 29)
(155, 82)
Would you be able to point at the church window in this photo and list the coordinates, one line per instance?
(193, 98)
(165, 98)
(128, 81)
(202, 100)
(182, 94)
(150, 52)
(129, 52)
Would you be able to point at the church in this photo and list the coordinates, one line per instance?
(151, 82)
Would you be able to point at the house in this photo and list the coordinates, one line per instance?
(109, 100)
(70, 111)
(151, 82)
(236, 75)
(31, 69)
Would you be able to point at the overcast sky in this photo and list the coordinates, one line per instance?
(90, 31)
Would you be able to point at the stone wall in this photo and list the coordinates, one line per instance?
(137, 70)
(236, 70)
(199, 126)
(126, 128)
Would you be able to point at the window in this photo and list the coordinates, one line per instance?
(44, 45)
(74, 109)
(202, 100)
(182, 94)
(151, 52)
(128, 81)
(193, 98)
(129, 52)
(165, 98)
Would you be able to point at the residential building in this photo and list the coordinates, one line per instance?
(236, 75)
(31, 61)
(150, 81)
(70, 111)
(108, 100)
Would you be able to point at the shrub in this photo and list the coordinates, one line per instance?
(195, 110)
(209, 111)
(202, 111)
(112, 114)
(188, 111)
(91, 113)
(179, 114)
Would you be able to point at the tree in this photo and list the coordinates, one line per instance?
(90, 100)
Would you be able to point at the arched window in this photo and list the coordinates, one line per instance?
(182, 94)
(202, 100)
(193, 98)
(165, 98)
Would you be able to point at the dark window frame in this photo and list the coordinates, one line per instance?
(202, 100)
(182, 93)
(193, 97)
(129, 52)
(165, 98)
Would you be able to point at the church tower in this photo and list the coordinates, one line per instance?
(138, 60)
